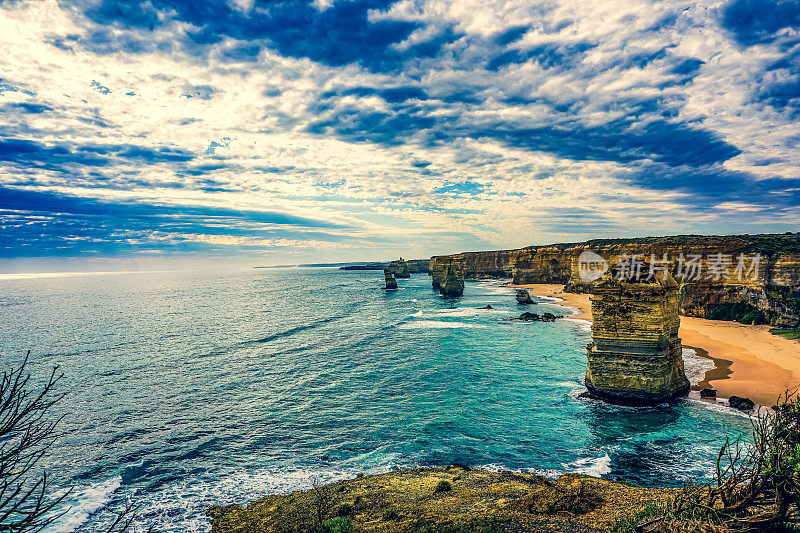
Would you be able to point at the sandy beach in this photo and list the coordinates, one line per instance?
(751, 362)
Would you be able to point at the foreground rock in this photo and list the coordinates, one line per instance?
(635, 356)
(524, 297)
(391, 283)
(742, 404)
(478, 500)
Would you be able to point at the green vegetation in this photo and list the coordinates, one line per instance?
(649, 511)
(390, 514)
(741, 312)
(443, 486)
(478, 525)
(344, 510)
(757, 487)
(788, 333)
(340, 524)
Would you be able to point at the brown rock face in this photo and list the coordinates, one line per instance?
(452, 281)
(475, 265)
(391, 283)
(635, 356)
(772, 296)
(399, 268)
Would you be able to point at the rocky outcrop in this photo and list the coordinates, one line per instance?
(742, 404)
(475, 265)
(400, 269)
(635, 354)
(391, 283)
(542, 264)
(524, 297)
(452, 281)
(479, 500)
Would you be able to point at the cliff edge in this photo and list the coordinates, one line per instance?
(445, 499)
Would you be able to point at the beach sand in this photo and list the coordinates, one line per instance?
(750, 361)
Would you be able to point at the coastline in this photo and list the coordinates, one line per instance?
(750, 361)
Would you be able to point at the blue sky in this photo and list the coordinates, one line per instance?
(281, 132)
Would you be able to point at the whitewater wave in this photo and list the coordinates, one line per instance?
(461, 312)
(696, 366)
(438, 324)
(84, 504)
(584, 326)
(591, 466)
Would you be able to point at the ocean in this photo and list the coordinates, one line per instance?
(197, 388)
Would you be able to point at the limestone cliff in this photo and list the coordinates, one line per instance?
(635, 354)
(475, 265)
(773, 296)
(399, 268)
(452, 280)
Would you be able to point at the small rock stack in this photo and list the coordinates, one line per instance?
(635, 356)
(391, 283)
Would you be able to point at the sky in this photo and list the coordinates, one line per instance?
(170, 132)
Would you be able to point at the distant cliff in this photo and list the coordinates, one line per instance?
(773, 296)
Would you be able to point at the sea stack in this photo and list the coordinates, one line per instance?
(400, 268)
(524, 297)
(452, 282)
(391, 283)
(635, 356)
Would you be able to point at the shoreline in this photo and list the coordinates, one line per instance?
(749, 360)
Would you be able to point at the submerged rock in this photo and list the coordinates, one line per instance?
(452, 282)
(391, 283)
(487, 307)
(550, 317)
(708, 393)
(742, 404)
(529, 317)
(635, 356)
(524, 297)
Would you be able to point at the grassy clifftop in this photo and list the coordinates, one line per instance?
(444, 499)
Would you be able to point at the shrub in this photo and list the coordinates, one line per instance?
(341, 524)
(344, 510)
(443, 486)
(629, 523)
(757, 487)
(390, 514)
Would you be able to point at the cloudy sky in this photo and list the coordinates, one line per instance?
(283, 132)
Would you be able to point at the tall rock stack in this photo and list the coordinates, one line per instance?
(400, 268)
(391, 283)
(635, 356)
(452, 281)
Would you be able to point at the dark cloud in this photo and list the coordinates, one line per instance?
(36, 223)
(338, 35)
(27, 108)
(759, 21)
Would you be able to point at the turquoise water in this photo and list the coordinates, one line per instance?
(189, 389)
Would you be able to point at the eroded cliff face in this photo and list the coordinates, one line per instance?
(474, 265)
(771, 295)
(635, 354)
